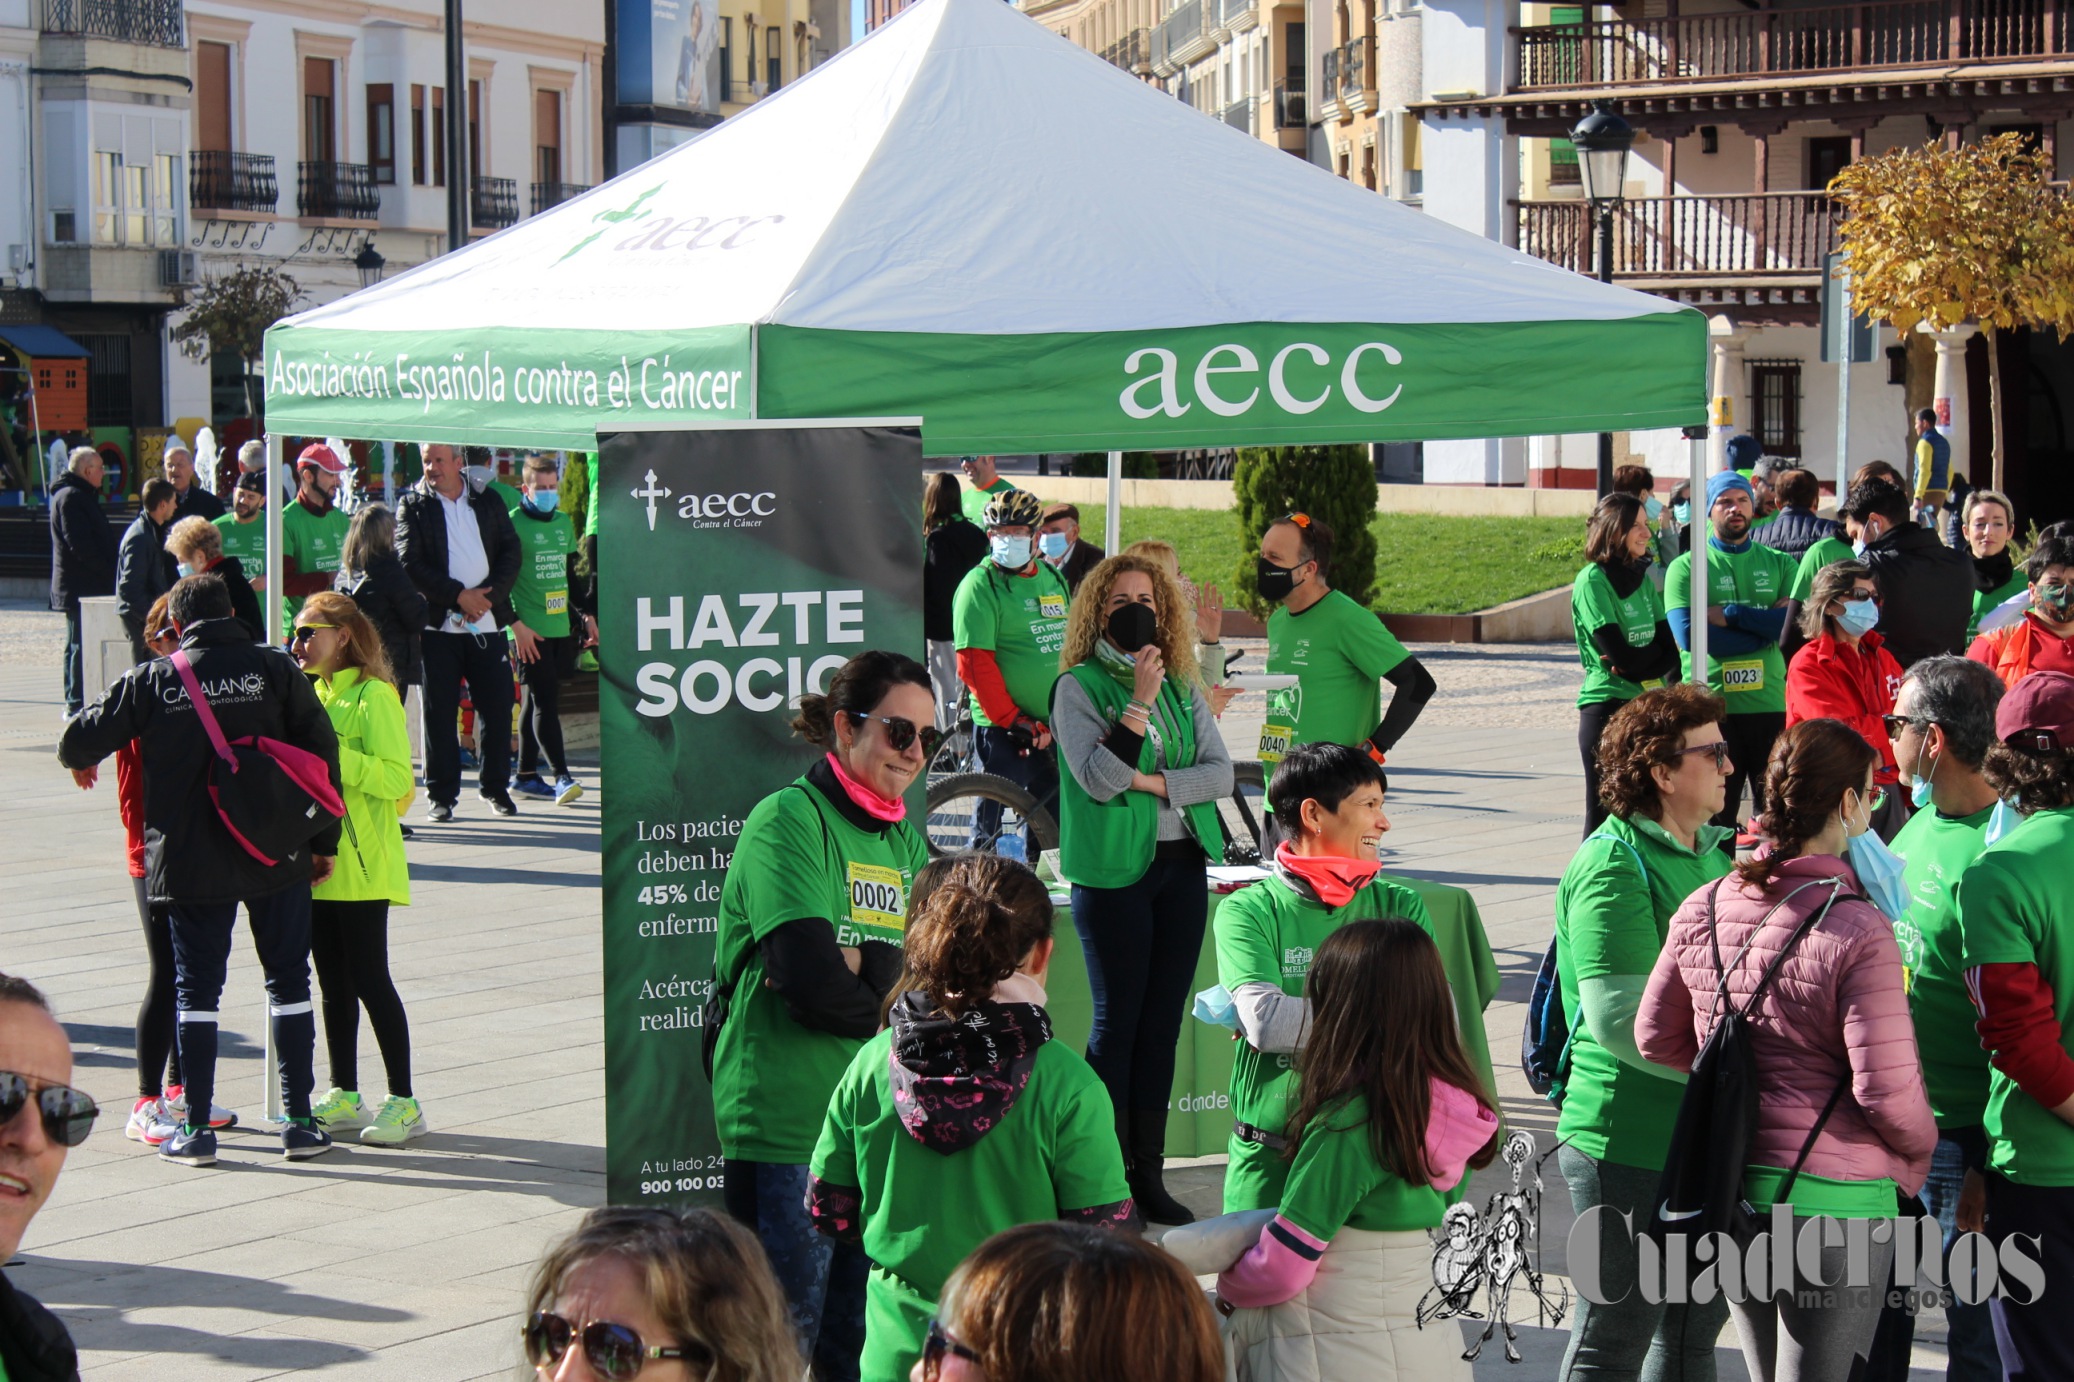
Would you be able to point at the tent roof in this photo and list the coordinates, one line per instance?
(966, 170)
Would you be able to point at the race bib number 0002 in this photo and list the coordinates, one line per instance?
(877, 897)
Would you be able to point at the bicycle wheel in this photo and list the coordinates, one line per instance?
(953, 755)
(979, 811)
(1242, 813)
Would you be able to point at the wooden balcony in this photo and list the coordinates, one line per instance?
(1779, 237)
(1881, 34)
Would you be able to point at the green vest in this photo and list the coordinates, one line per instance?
(1109, 844)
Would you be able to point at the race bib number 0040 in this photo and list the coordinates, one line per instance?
(1274, 742)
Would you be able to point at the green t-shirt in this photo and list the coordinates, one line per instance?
(1608, 922)
(1938, 850)
(2015, 907)
(1339, 652)
(1053, 1152)
(1593, 605)
(1825, 551)
(798, 857)
(1839, 1199)
(246, 542)
(1755, 682)
(1336, 1181)
(975, 501)
(1985, 601)
(507, 495)
(541, 593)
(1022, 619)
(312, 543)
(1268, 934)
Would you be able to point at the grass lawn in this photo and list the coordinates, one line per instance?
(1425, 563)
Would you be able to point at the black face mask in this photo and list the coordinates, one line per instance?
(1132, 626)
(1275, 582)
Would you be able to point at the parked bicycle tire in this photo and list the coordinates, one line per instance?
(951, 800)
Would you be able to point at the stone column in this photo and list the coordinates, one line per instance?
(1727, 348)
(1948, 397)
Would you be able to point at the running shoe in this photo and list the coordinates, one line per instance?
(586, 661)
(185, 1146)
(440, 812)
(500, 802)
(302, 1139)
(176, 1108)
(397, 1122)
(147, 1112)
(338, 1110)
(567, 790)
(532, 787)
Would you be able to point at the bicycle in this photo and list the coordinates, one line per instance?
(954, 799)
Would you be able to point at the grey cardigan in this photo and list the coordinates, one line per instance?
(1080, 729)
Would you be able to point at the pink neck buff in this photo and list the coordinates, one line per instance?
(869, 802)
(1335, 880)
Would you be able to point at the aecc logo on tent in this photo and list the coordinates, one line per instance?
(1296, 385)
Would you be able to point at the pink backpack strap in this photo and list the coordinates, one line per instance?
(201, 707)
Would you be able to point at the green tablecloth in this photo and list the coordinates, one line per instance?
(1201, 1122)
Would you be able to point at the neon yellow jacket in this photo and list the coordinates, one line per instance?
(374, 765)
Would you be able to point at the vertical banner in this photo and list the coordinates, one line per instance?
(738, 570)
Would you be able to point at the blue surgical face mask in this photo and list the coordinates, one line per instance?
(543, 500)
(1681, 512)
(1652, 506)
(1879, 870)
(1053, 545)
(1217, 1007)
(1011, 552)
(184, 569)
(1858, 549)
(2003, 819)
(1920, 788)
(1858, 617)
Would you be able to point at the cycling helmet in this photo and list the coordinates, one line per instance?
(1012, 508)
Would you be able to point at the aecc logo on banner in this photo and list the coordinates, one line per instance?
(739, 510)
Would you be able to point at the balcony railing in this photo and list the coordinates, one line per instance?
(1354, 73)
(1682, 237)
(493, 203)
(1290, 107)
(1236, 14)
(218, 181)
(1181, 37)
(158, 23)
(1833, 38)
(546, 194)
(1242, 113)
(337, 191)
(1132, 52)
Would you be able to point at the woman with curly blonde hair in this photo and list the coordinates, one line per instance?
(1144, 769)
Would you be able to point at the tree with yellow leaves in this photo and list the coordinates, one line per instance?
(1945, 236)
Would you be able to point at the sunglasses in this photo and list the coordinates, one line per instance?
(613, 1350)
(1719, 748)
(68, 1115)
(901, 734)
(937, 1345)
(305, 632)
(1896, 723)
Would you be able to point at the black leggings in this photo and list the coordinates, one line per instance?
(1142, 945)
(349, 943)
(540, 712)
(156, 1052)
(1750, 737)
(1591, 727)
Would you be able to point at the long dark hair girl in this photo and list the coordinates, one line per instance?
(973, 918)
(1382, 1026)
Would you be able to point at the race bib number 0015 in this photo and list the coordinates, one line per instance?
(877, 897)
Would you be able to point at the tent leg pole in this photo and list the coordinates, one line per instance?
(1701, 527)
(1112, 520)
(275, 633)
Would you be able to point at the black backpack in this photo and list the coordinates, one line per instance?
(1545, 1042)
(1702, 1187)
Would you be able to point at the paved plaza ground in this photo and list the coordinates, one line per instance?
(411, 1263)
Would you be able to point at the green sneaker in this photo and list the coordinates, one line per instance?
(396, 1122)
(340, 1109)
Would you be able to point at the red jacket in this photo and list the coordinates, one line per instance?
(129, 803)
(1831, 680)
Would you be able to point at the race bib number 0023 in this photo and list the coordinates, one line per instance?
(1742, 676)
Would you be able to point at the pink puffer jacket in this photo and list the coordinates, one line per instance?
(1837, 1008)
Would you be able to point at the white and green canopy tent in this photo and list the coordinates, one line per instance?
(969, 220)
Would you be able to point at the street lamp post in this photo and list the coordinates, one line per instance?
(370, 263)
(1603, 139)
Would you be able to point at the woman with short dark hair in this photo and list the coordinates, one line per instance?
(1663, 768)
(1623, 639)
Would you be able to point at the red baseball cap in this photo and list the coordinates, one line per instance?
(321, 456)
(2042, 703)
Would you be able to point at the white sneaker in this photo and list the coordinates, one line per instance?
(396, 1122)
(148, 1111)
(176, 1110)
